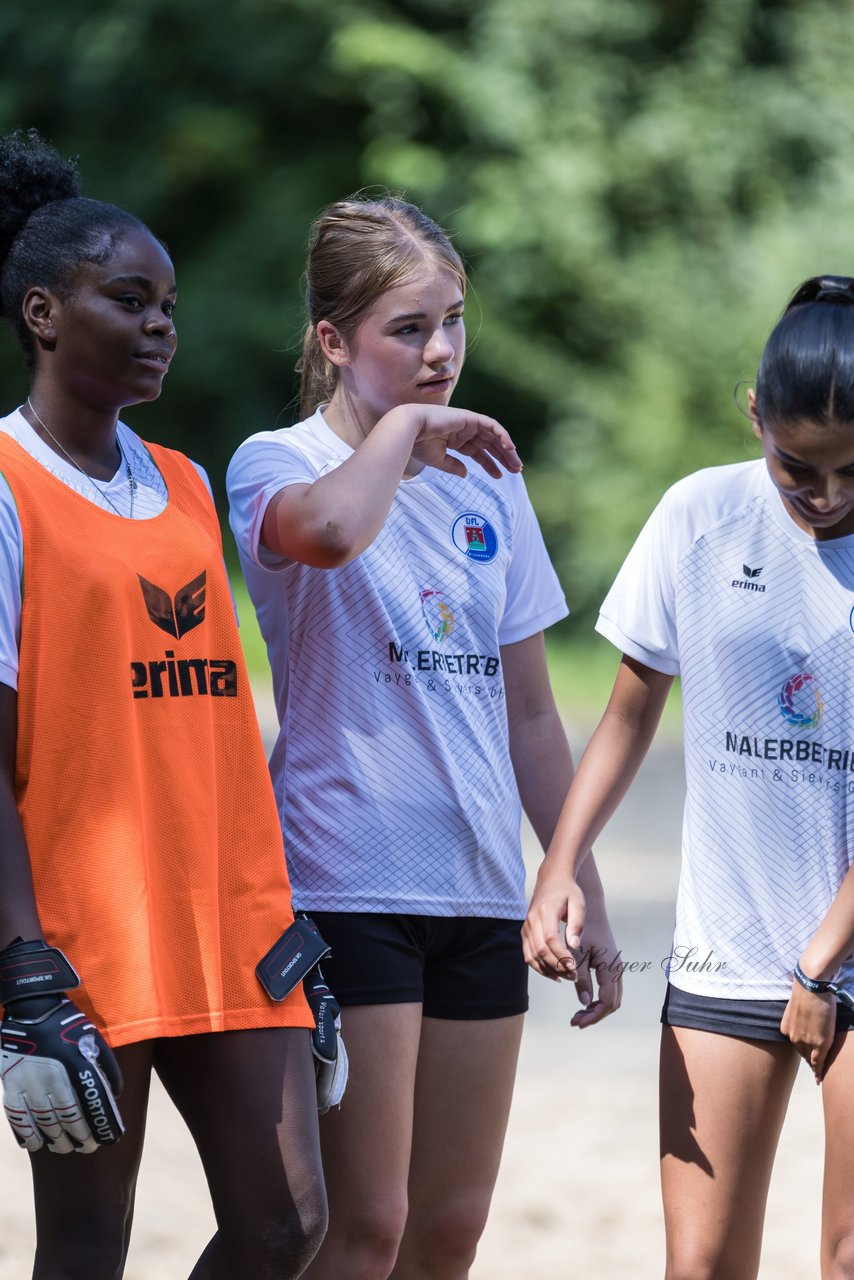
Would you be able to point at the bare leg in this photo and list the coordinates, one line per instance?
(366, 1144)
(837, 1226)
(463, 1091)
(723, 1102)
(84, 1203)
(248, 1099)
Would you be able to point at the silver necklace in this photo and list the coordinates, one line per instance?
(132, 484)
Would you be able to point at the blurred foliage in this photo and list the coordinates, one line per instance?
(637, 185)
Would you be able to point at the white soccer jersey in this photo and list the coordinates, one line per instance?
(392, 769)
(724, 589)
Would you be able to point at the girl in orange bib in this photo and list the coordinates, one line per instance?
(141, 855)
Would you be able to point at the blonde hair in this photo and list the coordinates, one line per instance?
(359, 248)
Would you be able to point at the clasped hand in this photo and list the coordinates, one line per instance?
(585, 947)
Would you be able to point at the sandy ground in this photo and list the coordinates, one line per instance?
(578, 1189)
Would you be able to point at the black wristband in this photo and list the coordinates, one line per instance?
(33, 969)
(816, 985)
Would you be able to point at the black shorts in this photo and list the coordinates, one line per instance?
(748, 1019)
(464, 968)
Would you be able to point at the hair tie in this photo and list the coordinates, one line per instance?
(835, 293)
(837, 289)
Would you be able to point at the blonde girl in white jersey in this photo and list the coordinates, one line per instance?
(402, 587)
(742, 582)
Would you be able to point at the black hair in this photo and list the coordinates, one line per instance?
(807, 368)
(47, 228)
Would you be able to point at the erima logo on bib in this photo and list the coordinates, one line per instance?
(474, 536)
(180, 616)
(173, 677)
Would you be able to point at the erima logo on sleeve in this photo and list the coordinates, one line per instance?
(173, 677)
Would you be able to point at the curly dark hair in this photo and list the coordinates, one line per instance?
(47, 228)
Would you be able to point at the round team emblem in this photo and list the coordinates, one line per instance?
(475, 537)
(437, 613)
(800, 702)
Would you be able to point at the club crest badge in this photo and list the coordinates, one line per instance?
(474, 536)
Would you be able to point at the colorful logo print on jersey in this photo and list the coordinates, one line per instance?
(475, 537)
(438, 614)
(800, 702)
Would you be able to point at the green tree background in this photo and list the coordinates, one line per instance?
(637, 186)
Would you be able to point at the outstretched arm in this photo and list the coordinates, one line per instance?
(543, 765)
(332, 521)
(607, 768)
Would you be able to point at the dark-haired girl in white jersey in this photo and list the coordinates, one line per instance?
(742, 583)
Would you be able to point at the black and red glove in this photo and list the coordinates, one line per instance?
(60, 1078)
